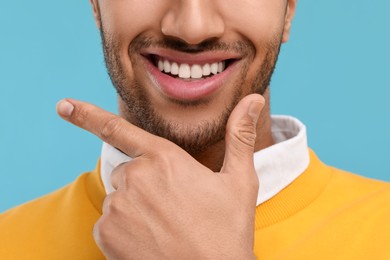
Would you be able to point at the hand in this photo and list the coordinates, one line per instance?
(166, 204)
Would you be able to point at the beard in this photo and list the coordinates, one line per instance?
(140, 111)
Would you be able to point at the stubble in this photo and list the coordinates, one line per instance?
(140, 111)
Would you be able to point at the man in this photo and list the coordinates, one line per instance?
(178, 177)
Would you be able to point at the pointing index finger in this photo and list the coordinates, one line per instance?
(109, 127)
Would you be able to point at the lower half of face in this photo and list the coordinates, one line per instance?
(188, 104)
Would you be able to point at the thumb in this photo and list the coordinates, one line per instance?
(241, 134)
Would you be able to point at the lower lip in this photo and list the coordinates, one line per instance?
(187, 90)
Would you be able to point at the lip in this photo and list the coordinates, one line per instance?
(191, 58)
(189, 89)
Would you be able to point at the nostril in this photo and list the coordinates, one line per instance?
(193, 22)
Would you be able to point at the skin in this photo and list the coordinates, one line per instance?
(265, 27)
(149, 215)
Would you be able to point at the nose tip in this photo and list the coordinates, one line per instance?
(193, 22)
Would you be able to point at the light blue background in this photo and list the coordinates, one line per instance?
(333, 75)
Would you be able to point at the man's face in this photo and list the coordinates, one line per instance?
(181, 66)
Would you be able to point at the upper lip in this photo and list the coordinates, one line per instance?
(190, 58)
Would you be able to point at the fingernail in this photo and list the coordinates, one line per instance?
(64, 108)
(254, 110)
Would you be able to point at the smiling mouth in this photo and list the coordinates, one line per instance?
(188, 71)
(189, 77)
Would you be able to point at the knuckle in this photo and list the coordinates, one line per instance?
(166, 159)
(106, 204)
(244, 132)
(132, 173)
(101, 230)
(111, 127)
(115, 203)
(96, 228)
(130, 177)
(80, 116)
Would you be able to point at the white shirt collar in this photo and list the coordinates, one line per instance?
(276, 166)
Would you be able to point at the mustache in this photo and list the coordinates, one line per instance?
(213, 44)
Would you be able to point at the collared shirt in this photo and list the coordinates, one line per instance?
(276, 166)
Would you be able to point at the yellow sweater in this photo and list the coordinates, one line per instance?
(325, 214)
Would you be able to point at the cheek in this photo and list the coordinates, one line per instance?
(260, 21)
(124, 20)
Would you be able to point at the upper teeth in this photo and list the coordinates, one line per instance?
(186, 71)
